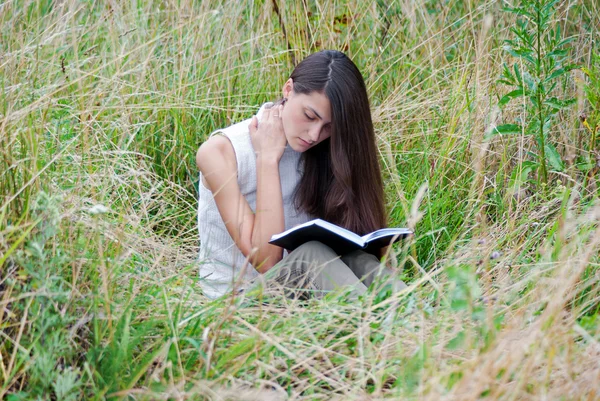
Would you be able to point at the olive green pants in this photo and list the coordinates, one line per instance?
(314, 269)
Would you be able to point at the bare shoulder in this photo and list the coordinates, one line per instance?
(215, 152)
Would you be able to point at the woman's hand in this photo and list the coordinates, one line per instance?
(267, 137)
(269, 143)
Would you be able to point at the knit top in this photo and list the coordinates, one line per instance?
(222, 265)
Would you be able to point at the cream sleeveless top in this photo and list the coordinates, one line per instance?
(222, 264)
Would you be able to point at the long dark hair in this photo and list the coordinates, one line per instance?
(342, 178)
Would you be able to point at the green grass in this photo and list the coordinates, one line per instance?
(106, 103)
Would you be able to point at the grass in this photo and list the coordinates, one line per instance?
(105, 103)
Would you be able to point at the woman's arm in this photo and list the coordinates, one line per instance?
(269, 143)
(250, 232)
(216, 161)
(269, 218)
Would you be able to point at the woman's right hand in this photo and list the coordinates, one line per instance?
(268, 138)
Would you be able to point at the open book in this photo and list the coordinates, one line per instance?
(339, 239)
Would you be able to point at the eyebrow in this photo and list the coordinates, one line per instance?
(313, 110)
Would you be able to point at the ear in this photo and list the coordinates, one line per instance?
(288, 88)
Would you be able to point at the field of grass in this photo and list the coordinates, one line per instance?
(103, 105)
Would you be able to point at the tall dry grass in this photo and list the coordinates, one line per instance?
(105, 103)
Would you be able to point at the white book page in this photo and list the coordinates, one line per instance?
(385, 232)
(342, 232)
(286, 232)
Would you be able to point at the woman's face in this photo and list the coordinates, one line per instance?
(306, 119)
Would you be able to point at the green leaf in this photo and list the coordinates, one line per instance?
(559, 72)
(547, 8)
(457, 341)
(531, 82)
(554, 158)
(507, 75)
(530, 59)
(520, 174)
(509, 96)
(512, 52)
(518, 11)
(504, 129)
(557, 53)
(522, 52)
(559, 104)
(533, 127)
(242, 347)
(66, 384)
(518, 74)
(144, 364)
(585, 164)
(565, 41)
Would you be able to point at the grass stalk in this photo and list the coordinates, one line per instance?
(106, 104)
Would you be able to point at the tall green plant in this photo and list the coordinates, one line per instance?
(591, 119)
(541, 54)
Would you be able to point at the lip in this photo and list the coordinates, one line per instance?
(304, 142)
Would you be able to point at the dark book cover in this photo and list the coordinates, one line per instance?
(339, 239)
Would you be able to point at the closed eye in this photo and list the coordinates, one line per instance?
(310, 118)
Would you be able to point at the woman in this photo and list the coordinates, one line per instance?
(312, 154)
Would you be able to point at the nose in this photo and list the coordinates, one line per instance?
(314, 133)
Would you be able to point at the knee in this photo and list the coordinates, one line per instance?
(312, 252)
(363, 257)
(313, 247)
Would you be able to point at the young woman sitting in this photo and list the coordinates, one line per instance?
(311, 154)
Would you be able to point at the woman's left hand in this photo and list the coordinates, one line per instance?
(268, 138)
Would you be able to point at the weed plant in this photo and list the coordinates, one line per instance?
(542, 55)
(590, 118)
(103, 106)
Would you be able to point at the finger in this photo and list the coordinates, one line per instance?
(277, 112)
(253, 126)
(267, 115)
